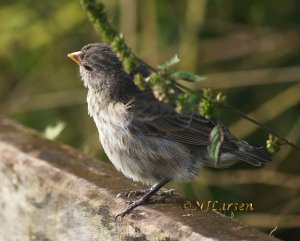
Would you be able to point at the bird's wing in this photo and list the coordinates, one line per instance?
(157, 119)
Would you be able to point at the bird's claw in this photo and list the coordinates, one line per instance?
(168, 193)
(133, 204)
(130, 207)
(131, 193)
(145, 199)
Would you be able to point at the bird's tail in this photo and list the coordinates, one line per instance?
(254, 155)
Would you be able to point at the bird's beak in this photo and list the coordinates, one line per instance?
(74, 57)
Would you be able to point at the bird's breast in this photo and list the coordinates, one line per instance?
(136, 155)
(112, 120)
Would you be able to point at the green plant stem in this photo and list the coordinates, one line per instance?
(97, 15)
(264, 127)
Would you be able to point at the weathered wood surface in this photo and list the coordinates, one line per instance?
(51, 191)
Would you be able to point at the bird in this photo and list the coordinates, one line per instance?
(146, 139)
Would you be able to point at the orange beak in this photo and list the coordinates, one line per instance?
(74, 57)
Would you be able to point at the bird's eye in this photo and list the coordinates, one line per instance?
(88, 68)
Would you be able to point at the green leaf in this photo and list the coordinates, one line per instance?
(188, 76)
(216, 139)
(169, 63)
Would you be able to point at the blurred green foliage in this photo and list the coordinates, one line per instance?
(233, 40)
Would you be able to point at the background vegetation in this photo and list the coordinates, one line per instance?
(249, 49)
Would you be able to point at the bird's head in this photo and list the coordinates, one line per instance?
(100, 68)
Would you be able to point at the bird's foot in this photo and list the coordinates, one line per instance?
(133, 204)
(167, 193)
(130, 207)
(157, 200)
(147, 194)
(132, 193)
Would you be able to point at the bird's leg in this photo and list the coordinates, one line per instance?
(144, 199)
